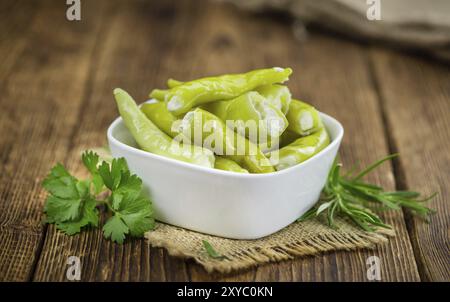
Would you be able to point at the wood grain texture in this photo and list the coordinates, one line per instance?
(16, 17)
(416, 99)
(129, 56)
(70, 69)
(223, 45)
(38, 112)
(333, 83)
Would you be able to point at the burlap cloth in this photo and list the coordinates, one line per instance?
(298, 239)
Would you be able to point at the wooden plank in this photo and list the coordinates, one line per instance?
(416, 98)
(39, 104)
(338, 83)
(16, 16)
(139, 37)
(183, 42)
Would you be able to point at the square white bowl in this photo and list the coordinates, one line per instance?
(222, 203)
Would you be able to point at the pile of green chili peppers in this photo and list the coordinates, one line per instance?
(288, 131)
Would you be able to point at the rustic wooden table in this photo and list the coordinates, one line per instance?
(56, 81)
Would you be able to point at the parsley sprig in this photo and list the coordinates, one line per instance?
(349, 196)
(211, 251)
(74, 204)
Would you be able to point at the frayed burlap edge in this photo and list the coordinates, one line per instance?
(299, 239)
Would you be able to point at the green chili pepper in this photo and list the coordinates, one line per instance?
(163, 119)
(153, 140)
(228, 165)
(171, 83)
(250, 111)
(288, 137)
(159, 94)
(285, 139)
(157, 112)
(303, 118)
(276, 95)
(269, 145)
(209, 131)
(251, 106)
(182, 98)
(300, 150)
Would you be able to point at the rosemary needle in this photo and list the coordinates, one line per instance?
(348, 196)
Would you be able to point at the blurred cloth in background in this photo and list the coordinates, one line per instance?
(412, 24)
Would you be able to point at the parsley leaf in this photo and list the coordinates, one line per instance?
(89, 217)
(137, 214)
(211, 251)
(66, 195)
(132, 214)
(129, 185)
(111, 174)
(90, 161)
(71, 204)
(115, 229)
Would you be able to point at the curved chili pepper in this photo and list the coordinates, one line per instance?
(182, 98)
(222, 163)
(166, 121)
(159, 94)
(157, 112)
(300, 150)
(214, 134)
(171, 83)
(303, 118)
(276, 95)
(153, 140)
(268, 120)
(287, 138)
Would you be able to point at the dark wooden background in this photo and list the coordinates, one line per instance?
(56, 81)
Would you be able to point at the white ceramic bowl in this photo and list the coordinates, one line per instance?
(222, 203)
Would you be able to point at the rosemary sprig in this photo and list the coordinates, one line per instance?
(349, 196)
